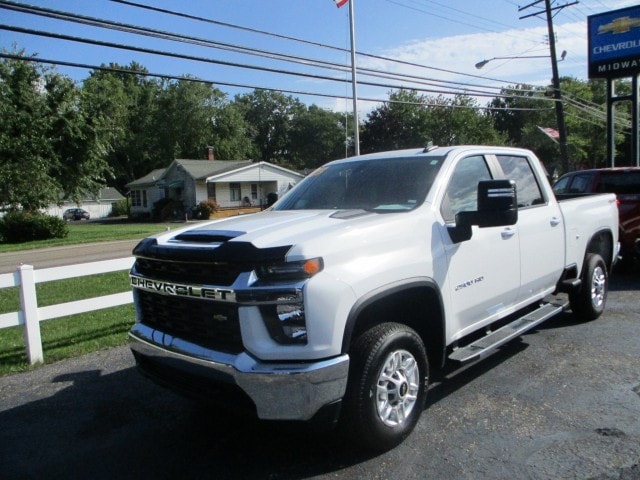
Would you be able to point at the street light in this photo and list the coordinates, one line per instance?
(481, 64)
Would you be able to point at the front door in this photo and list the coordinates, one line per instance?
(483, 274)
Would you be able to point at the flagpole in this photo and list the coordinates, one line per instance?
(354, 84)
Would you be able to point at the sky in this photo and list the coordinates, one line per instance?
(436, 43)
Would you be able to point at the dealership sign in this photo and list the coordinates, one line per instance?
(614, 43)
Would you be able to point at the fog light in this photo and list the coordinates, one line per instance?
(292, 321)
(286, 322)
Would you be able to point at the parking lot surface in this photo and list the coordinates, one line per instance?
(561, 402)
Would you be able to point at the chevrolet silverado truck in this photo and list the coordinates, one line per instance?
(335, 303)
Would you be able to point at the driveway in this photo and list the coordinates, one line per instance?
(562, 402)
(70, 255)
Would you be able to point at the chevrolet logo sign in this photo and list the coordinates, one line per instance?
(619, 25)
(182, 290)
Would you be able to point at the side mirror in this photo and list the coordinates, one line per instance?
(497, 207)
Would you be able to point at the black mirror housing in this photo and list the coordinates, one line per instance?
(497, 207)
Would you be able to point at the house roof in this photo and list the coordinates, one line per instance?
(197, 169)
(149, 179)
(201, 169)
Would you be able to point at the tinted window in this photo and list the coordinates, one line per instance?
(561, 185)
(620, 183)
(462, 191)
(384, 185)
(580, 184)
(519, 170)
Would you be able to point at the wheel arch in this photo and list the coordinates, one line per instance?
(601, 243)
(416, 303)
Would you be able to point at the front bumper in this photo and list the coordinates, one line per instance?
(279, 391)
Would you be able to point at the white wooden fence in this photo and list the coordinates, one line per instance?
(30, 315)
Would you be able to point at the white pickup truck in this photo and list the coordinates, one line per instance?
(336, 302)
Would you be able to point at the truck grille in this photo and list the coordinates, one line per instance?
(194, 273)
(209, 324)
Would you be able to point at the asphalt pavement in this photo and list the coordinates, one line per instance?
(562, 402)
(69, 255)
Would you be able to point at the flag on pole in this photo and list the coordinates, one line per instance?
(340, 3)
(552, 133)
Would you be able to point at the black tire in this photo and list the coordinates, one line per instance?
(388, 379)
(588, 302)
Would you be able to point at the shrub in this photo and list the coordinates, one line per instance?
(20, 226)
(168, 209)
(205, 208)
(120, 208)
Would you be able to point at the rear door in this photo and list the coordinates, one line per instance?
(540, 229)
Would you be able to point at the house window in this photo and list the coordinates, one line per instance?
(138, 198)
(211, 191)
(236, 194)
(254, 191)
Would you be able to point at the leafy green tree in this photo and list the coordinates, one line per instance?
(49, 149)
(270, 116)
(412, 120)
(192, 116)
(459, 120)
(399, 123)
(317, 136)
(230, 133)
(125, 101)
(521, 110)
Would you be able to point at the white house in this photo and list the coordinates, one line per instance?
(231, 184)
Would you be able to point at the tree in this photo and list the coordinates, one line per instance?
(399, 123)
(412, 120)
(459, 121)
(125, 102)
(192, 116)
(49, 150)
(522, 109)
(270, 116)
(317, 136)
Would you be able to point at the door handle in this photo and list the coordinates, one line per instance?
(507, 233)
(555, 221)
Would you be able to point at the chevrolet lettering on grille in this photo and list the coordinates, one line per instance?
(181, 290)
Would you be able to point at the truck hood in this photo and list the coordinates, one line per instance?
(301, 232)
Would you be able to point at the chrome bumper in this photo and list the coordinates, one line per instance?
(280, 391)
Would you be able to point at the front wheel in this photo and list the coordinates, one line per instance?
(388, 380)
(589, 300)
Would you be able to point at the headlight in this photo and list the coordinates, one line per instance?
(290, 270)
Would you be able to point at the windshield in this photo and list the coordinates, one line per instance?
(383, 185)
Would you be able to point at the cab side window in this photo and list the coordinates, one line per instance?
(462, 192)
(519, 170)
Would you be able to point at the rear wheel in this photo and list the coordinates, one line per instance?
(588, 302)
(388, 380)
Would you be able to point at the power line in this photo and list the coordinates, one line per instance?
(120, 46)
(165, 35)
(164, 76)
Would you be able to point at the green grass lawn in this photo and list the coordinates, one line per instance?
(74, 335)
(89, 232)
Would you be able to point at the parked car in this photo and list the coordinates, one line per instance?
(625, 183)
(76, 214)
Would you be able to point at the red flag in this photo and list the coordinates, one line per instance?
(552, 133)
(340, 3)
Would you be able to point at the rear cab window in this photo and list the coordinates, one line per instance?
(518, 169)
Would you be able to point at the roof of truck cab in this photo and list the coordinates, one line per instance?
(434, 151)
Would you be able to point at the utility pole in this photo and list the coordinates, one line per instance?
(555, 80)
